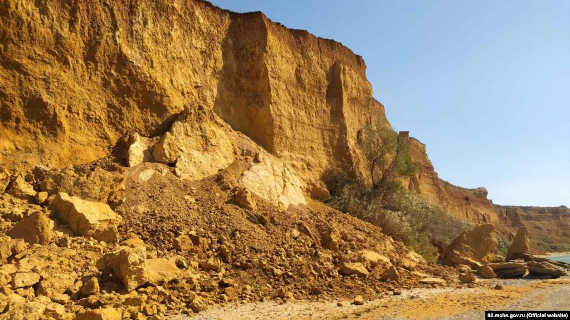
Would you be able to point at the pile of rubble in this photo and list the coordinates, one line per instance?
(131, 237)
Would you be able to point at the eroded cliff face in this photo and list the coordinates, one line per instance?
(76, 76)
(470, 205)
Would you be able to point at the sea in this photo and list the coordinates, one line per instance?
(561, 258)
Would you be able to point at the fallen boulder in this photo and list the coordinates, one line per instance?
(520, 248)
(472, 247)
(486, 272)
(19, 188)
(139, 150)
(373, 258)
(513, 269)
(350, 268)
(87, 218)
(196, 145)
(35, 228)
(4, 180)
(129, 266)
(545, 269)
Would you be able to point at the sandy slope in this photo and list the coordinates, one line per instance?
(448, 303)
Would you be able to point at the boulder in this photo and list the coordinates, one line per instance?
(513, 269)
(391, 274)
(139, 150)
(411, 260)
(41, 197)
(10, 247)
(19, 188)
(350, 268)
(183, 243)
(87, 218)
(467, 276)
(90, 287)
(130, 267)
(4, 180)
(545, 269)
(35, 228)
(273, 180)
(25, 279)
(373, 258)
(196, 144)
(331, 239)
(127, 265)
(472, 247)
(520, 248)
(486, 272)
(244, 199)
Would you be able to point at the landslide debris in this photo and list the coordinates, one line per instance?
(136, 239)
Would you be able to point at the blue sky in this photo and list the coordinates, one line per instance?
(484, 84)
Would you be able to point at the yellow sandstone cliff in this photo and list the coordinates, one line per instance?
(76, 76)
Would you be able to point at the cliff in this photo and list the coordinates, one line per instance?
(77, 76)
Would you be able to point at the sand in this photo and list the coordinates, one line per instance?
(441, 303)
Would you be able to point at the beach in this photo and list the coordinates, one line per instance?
(437, 303)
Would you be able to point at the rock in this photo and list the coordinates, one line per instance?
(295, 233)
(19, 188)
(499, 286)
(4, 180)
(87, 218)
(348, 268)
(285, 293)
(197, 303)
(25, 279)
(510, 269)
(411, 260)
(391, 274)
(35, 228)
(130, 267)
(90, 287)
(244, 199)
(436, 281)
(373, 258)
(486, 272)
(183, 243)
(545, 269)
(127, 265)
(211, 264)
(196, 144)
(41, 197)
(520, 248)
(100, 314)
(358, 300)
(467, 277)
(274, 181)
(161, 270)
(331, 239)
(57, 283)
(455, 258)
(472, 247)
(139, 150)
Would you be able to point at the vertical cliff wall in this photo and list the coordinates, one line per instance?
(76, 76)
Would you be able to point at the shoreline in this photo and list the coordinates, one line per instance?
(553, 254)
(450, 303)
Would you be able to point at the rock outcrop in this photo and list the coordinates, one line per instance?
(473, 248)
(520, 248)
